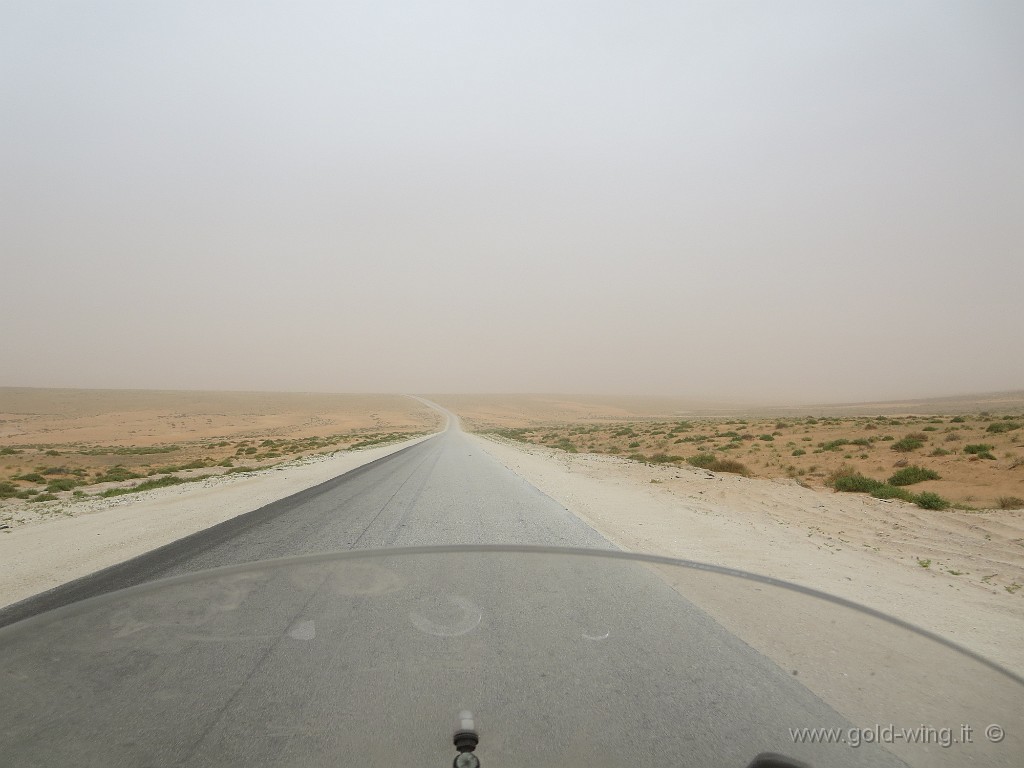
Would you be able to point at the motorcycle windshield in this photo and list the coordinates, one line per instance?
(564, 657)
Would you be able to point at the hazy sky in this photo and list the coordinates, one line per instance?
(763, 200)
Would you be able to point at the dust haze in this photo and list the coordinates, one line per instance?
(759, 201)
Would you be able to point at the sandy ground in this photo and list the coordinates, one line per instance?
(62, 418)
(954, 573)
(80, 537)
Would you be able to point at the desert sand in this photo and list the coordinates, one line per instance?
(62, 418)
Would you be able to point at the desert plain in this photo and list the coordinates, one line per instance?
(630, 467)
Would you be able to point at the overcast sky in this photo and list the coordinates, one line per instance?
(813, 201)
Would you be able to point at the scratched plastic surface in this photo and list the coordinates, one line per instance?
(564, 658)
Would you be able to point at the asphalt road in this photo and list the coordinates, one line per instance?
(565, 661)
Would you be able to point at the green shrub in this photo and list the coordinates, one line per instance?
(116, 475)
(912, 474)
(930, 501)
(848, 481)
(978, 448)
(730, 465)
(957, 420)
(44, 497)
(713, 463)
(799, 452)
(833, 445)
(702, 460)
(886, 491)
(981, 450)
(32, 477)
(907, 444)
(855, 482)
(8, 490)
(664, 458)
(766, 438)
(63, 484)
(997, 427)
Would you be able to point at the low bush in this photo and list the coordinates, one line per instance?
(833, 445)
(997, 427)
(116, 475)
(702, 460)
(981, 450)
(912, 474)
(928, 500)
(663, 458)
(850, 481)
(63, 484)
(1011, 502)
(855, 482)
(886, 491)
(713, 463)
